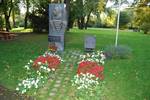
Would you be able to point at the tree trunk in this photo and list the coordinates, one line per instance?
(55, 1)
(88, 18)
(70, 23)
(7, 13)
(67, 2)
(80, 25)
(1, 23)
(82, 22)
(26, 21)
(8, 27)
(50, 1)
(27, 15)
(13, 18)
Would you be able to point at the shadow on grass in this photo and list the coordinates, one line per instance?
(6, 94)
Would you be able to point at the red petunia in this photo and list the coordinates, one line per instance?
(92, 68)
(53, 61)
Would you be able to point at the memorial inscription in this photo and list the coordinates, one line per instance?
(54, 38)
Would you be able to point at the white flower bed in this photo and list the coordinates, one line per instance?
(98, 57)
(35, 78)
(85, 81)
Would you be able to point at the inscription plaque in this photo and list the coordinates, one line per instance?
(54, 38)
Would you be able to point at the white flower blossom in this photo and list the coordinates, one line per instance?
(17, 89)
(53, 69)
(31, 61)
(48, 70)
(39, 63)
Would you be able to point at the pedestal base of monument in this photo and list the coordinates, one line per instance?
(57, 41)
(89, 50)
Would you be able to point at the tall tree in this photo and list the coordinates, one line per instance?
(6, 7)
(1, 17)
(67, 2)
(90, 6)
(142, 15)
(27, 4)
(125, 18)
(15, 11)
(39, 15)
(83, 11)
(80, 13)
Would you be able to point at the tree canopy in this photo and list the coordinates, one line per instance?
(81, 13)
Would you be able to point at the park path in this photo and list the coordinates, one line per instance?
(59, 86)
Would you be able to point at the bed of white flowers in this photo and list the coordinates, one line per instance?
(85, 81)
(97, 56)
(36, 78)
(88, 84)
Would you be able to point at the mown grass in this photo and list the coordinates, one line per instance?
(126, 79)
(21, 29)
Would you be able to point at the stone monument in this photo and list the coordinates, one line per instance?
(57, 25)
(1, 1)
(89, 43)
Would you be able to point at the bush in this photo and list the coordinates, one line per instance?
(121, 52)
(145, 27)
(39, 23)
(124, 19)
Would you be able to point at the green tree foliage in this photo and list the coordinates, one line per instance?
(27, 3)
(83, 10)
(6, 8)
(39, 15)
(142, 16)
(110, 19)
(15, 11)
(72, 14)
(124, 19)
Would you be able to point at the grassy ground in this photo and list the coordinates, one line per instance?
(21, 29)
(126, 79)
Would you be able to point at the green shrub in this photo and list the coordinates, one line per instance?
(145, 27)
(121, 52)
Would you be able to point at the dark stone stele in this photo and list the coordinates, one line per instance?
(89, 43)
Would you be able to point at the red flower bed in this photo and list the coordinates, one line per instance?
(92, 68)
(53, 61)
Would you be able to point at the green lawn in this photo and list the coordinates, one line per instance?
(21, 29)
(126, 79)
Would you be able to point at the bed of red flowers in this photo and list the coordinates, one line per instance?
(92, 68)
(52, 61)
